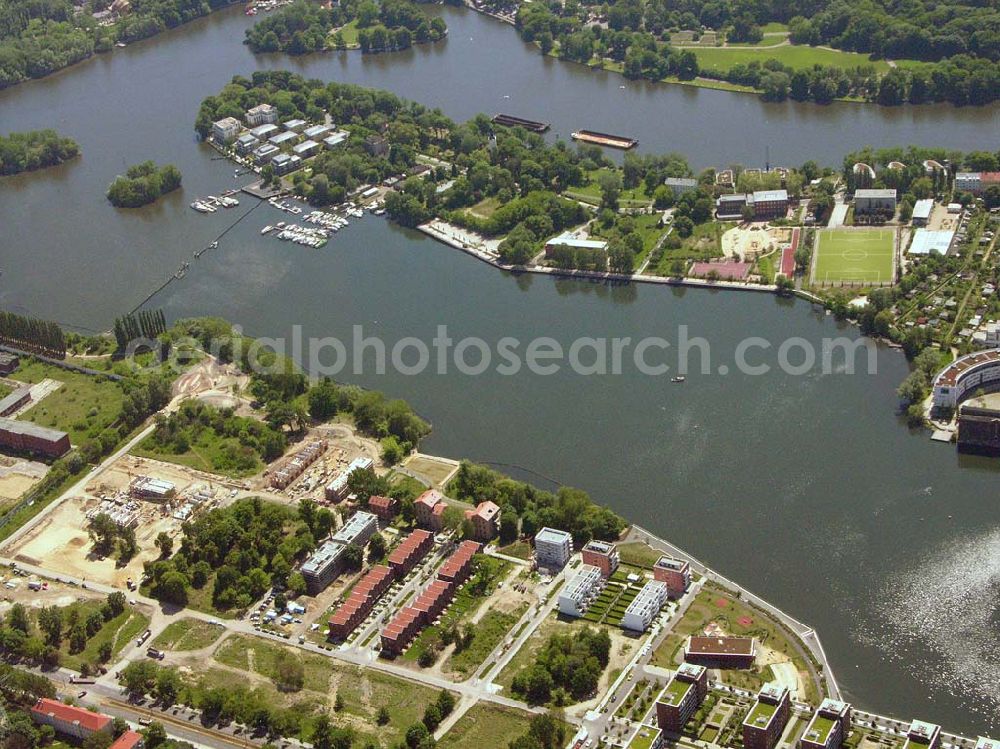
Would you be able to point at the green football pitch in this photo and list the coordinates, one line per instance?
(854, 256)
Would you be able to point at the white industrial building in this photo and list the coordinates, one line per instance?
(553, 548)
(645, 606)
(576, 596)
(922, 212)
(926, 241)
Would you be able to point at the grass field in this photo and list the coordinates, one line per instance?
(854, 255)
(82, 407)
(486, 725)
(118, 631)
(489, 632)
(591, 193)
(187, 634)
(363, 691)
(740, 620)
(798, 57)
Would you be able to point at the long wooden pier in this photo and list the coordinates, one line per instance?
(605, 139)
(509, 120)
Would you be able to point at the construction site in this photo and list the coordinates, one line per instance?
(147, 496)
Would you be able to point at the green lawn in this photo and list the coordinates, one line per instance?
(490, 631)
(204, 454)
(737, 619)
(350, 33)
(798, 57)
(118, 631)
(187, 634)
(466, 603)
(83, 407)
(854, 255)
(591, 192)
(638, 554)
(647, 226)
(488, 725)
(518, 550)
(484, 208)
(363, 690)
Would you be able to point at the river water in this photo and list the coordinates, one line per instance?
(806, 489)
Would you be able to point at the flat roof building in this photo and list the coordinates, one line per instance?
(721, 652)
(646, 737)
(966, 374)
(246, 143)
(323, 565)
(262, 114)
(680, 185)
(922, 210)
(681, 697)
(316, 132)
(553, 548)
(644, 607)
(296, 125)
(338, 138)
(8, 362)
(24, 436)
(828, 727)
(730, 206)
(305, 149)
(358, 529)
(676, 573)
(769, 203)
(602, 555)
(15, 400)
(767, 718)
(225, 130)
(265, 152)
(922, 736)
(283, 139)
(872, 200)
(338, 489)
(568, 239)
(926, 241)
(263, 132)
(147, 487)
(583, 587)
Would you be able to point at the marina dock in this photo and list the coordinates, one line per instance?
(605, 139)
(509, 120)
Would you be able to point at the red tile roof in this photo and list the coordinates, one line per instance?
(88, 720)
(431, 497)
(128, 740)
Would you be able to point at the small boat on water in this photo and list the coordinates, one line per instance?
(202, 207)
(266, 229)
(214, 245)
(677, 379)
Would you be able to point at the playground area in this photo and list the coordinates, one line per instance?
(740, 243)
(854, 257)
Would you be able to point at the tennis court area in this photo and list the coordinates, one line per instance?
(854, 256)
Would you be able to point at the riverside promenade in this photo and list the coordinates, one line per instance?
(808, 635)
(438, 230)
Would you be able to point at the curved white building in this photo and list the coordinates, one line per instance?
(966, 374)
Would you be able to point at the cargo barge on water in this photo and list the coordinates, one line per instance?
(509, 120)
(605, 139)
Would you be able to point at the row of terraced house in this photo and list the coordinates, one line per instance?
(432, 601)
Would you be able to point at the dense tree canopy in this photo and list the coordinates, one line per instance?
(37, 149)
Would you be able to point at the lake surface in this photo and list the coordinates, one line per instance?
(806, 489)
